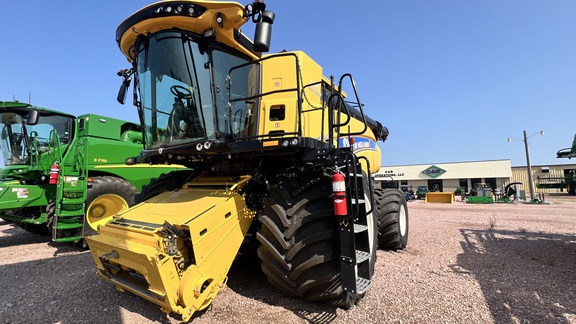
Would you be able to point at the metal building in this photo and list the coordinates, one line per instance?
(446, 177)
(496, 174)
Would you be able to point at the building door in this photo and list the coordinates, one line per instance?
(491, 182)
(435, 185)
(464, 184)
(474, 182)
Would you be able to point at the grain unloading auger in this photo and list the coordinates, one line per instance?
(274, 161)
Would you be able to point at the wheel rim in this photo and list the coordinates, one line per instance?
(103, 208)
(402, 220)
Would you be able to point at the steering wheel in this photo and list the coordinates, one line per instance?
(181, 92)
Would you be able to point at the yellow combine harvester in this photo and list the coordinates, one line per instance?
(279, 159)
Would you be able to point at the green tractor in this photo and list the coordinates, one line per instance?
(421, 192)
(65, 175)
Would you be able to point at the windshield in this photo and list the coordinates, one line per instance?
(15, 149)
(178, 103)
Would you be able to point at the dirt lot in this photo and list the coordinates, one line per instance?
(501, 263)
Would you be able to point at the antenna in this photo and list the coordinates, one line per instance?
(29, 98)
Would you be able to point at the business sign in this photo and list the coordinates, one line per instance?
(433, 171)
(388, 174)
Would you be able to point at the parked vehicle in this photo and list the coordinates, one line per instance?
(421, 192)
(281, 157)
(64, 175)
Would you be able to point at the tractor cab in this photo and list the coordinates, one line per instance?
(30, 139)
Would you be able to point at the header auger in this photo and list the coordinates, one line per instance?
(273, 146)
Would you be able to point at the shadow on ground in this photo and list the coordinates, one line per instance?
(65, 289)
(12, 234)
(526, 277)
(247, 279)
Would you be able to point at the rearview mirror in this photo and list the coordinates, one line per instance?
(263, 32)
(32, 117)
(122, 93)
(126, 75)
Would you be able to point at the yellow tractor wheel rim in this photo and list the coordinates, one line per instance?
(103, 208)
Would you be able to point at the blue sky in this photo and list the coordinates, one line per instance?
(451, 79)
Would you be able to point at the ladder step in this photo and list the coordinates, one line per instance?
(360, 228)
(357, 201)
(67, 239)
(65, 226)
(361, 256)
(362, 285)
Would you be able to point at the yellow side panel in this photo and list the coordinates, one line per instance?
(280, 73)
(135, 244)
(374, 156)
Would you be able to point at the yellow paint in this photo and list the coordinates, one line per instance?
(213, 215)
(440, 197)
(231, 12)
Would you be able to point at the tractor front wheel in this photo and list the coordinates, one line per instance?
(107, 197)
(165, 182)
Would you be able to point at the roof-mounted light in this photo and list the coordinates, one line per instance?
(176, 9)
(159, 10)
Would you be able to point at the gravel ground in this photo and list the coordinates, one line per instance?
(465, 263)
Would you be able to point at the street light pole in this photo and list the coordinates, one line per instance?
(525, 140)
(529, 167)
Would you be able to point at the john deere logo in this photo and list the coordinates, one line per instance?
(433, 171)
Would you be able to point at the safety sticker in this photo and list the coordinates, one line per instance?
(21, 192)
(73, 181)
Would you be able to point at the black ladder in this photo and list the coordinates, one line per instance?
(354, 232)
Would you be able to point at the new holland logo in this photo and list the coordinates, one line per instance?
(434, 171)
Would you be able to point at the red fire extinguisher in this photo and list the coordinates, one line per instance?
(339, 194)
(54, 174)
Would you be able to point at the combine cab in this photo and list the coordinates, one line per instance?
(281, 157)
(65, 175)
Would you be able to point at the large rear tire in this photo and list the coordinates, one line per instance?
(165, 182)
(299, 240)
(392, 211)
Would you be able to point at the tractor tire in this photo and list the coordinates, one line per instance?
(392, 211)
(50, 212)
(107, 197)
(299, 240)
(165, 182)
(38, 229)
